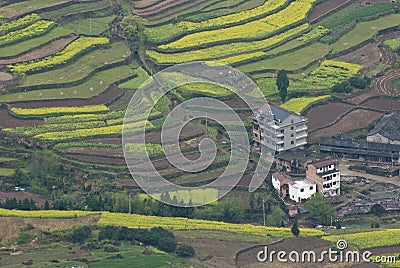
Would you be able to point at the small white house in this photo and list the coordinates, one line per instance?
(302, 190)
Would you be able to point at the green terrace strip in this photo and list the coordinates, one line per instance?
(7, 172)
(69, 52)
(35, 130)
(75, 118)
(77, 9)
(365, 30)
(92, 87)
(241, 57)
(205, 89)
(140, 221)
(217, 52)
(49, 111)
(23, 7)
(139, 150)
(83, 67)
(136, 82)
(82, 26)
(32, 30)
(294, 13)
(298, 105)
(393, 44)
(93, 132)
(232, 19)
(45, 213)
(67, 145)
(18, 24)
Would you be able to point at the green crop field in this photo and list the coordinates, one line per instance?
(94, 86)
(80, 68)
(6, 172)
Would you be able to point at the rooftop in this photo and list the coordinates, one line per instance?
(388, 126)
(278, 113)
(280, 176)
(323, 163)
(302, 184)
(359, 144)
(299, 154)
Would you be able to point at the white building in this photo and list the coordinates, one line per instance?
(279, 129)
(302, 190)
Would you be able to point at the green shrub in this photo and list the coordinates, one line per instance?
(185, 251)
(25, 238)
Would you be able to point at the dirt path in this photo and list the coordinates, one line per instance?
(345, 171)
(324, 8)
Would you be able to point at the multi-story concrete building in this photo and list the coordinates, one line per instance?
(327, 177)
(279, 129)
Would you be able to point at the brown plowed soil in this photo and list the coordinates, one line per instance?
(382, 104)
(356, 119)
(324, 8)
(7, 120)
(326, 114)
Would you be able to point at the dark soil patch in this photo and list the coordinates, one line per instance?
(19, 196)
(382, 104)
(367, 56)
(7, 120)
(385, 250)
(326, 114)
(356, 119)
(106, 97)
(324, 8)
(97, 159)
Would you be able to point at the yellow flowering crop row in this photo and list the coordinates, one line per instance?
(71, 50)
(373, 239)
(49, 111)
(34, 130)
(267, 7)
(32, 30)
(84, 117)
(297, 105)
(315, 33)
(19, 23)
(294, 13)
(141, 221)
(44, 213)
(92, 132)
(215, 52)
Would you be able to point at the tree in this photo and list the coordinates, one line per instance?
(166, 244)
(377, 210)
(46, 205)
(275, 217)
(282, 82)
(80, 234)
(320, 209)
(295, 228)
(185, 251)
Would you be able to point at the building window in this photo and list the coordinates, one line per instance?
(292, 142)
(302, 190)
(262, 138)
(334, 183)
(334, 175)
(292, 135)
(255, 135)
(262, 130)
(292, 127)
(282, 131)
(311, 188)
(256, 127)
(292, 121)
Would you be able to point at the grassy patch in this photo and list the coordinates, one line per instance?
(365, 30)
(290, 61)
(80, 68)
(82, 26)
(136, 82)
(7, 172)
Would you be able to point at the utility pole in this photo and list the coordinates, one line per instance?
(263, 208)
(130, 206)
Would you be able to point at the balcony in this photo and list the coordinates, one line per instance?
(302, 136)
(302, 128)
